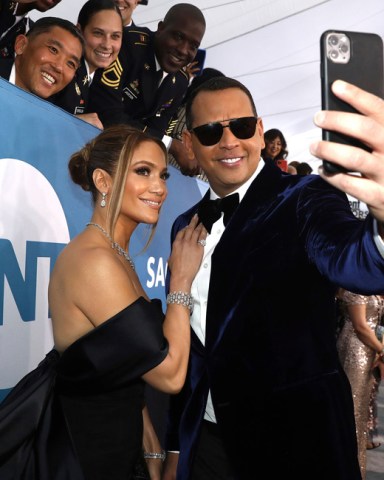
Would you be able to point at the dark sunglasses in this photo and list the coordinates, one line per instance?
(211, 133)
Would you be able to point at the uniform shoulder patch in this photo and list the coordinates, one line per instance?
(138, 37)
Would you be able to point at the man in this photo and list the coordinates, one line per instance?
(14, 21)
(149, 74)
(127, 8)
(265, 387)
(46, 58)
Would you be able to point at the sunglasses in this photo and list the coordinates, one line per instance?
(211, 133)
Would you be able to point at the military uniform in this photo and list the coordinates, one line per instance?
(6, 67)
(7, 21)
(127, 91)
(74, 97)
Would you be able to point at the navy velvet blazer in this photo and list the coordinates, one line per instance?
(128, 92)
(280, 395)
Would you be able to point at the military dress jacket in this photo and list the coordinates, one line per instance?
(74, 97)
(7, 21)
(6, 65)
(129, 92)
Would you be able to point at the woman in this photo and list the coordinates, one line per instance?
(359, 351)
(101, 24)
(275, 148)
(109, 337)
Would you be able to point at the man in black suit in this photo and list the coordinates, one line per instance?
(14, 21)
(147, 83)
(46, 58)
(265, 389)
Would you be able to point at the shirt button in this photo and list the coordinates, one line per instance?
(205, 265)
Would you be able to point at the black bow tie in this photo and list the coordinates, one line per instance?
(210, 211)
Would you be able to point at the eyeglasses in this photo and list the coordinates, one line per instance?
(211, 133)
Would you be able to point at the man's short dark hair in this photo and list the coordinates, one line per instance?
(214, 85)
(182, 10)
(45, 24)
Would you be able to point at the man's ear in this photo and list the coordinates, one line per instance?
(260, 130)
(160, 26)
(187, 140)
(21, 43)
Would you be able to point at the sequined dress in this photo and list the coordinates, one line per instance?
(357, 359)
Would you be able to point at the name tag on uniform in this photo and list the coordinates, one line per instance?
(129, 93)
(79, 110)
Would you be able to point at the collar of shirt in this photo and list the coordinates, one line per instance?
(90, 75)
(12, 76)
(242, 190)
(158, 67)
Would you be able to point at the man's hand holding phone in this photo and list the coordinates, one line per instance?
(357, 58)
(367, 126)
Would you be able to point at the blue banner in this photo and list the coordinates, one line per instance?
(41, 209)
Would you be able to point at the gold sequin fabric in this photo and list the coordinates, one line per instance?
(357, 359)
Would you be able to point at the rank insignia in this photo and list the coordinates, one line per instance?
(85, 80)
(112, 75)
(77, 88)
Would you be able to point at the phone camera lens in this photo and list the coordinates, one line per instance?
(334, 54)
(343, 48)
(333, 40)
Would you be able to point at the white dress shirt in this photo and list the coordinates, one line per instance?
(200, 285)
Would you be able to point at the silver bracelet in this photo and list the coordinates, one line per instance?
(181, 298)
(161, 455)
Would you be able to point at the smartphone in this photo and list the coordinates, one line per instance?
(200, 59)
(357, 58)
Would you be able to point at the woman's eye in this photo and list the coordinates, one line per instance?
(165, 176)
(143, 171)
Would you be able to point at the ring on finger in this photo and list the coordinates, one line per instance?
(202, 242)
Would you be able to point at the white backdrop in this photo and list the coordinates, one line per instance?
(272, 46)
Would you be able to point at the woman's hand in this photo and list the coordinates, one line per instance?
(187, 254)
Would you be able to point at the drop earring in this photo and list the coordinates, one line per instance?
(103, 202)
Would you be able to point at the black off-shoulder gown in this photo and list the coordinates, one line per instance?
(78, 416)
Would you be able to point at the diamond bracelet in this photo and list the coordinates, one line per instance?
(181, 298)
(161, 455)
